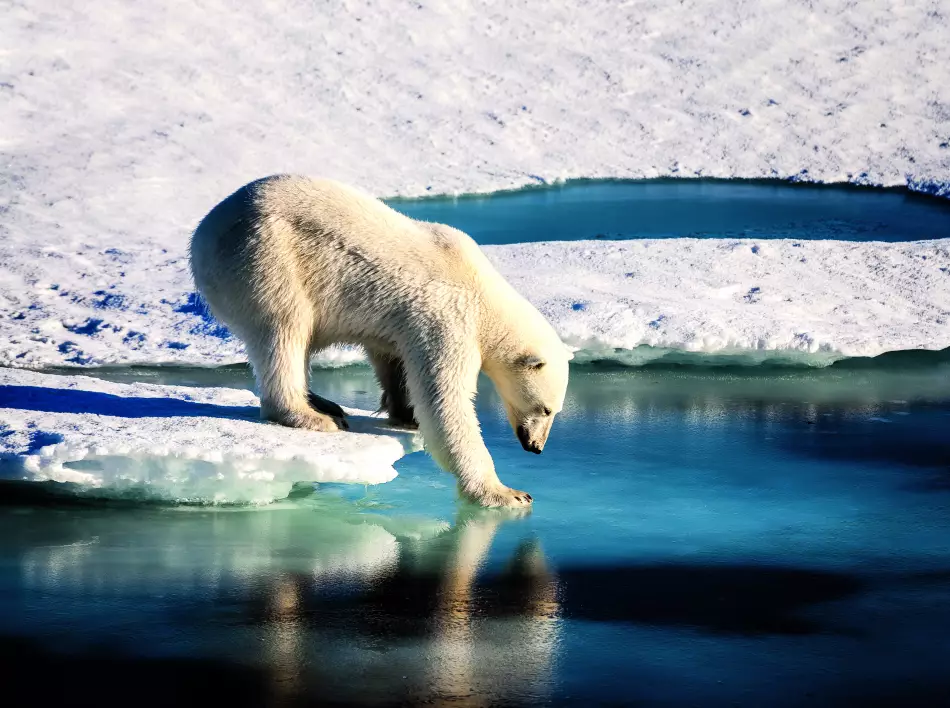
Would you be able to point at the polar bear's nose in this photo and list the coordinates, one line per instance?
(526, 442)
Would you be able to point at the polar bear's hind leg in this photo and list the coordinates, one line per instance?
(280, 358)
(391, 374)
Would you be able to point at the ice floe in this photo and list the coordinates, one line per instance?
(176, 443)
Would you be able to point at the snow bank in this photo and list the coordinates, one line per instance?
(174, 442)
(630, 301)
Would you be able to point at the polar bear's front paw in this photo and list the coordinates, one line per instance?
(502, 496)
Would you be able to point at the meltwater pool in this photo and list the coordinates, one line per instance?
(700, 208)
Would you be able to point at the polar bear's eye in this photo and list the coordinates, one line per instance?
(547, 411)
(531, 361)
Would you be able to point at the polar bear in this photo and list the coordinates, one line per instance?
(292, 265)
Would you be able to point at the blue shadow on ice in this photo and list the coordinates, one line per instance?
(195, 305)
(58, 400)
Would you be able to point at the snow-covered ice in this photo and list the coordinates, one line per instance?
(808, 301)
(125, 123)
(175, 442)
(815, 300)
(132, 118)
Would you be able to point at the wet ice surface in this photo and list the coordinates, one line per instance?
(698, 538)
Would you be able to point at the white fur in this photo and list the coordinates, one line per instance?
(293, 265)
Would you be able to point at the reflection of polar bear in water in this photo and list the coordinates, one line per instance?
(435, 627)
(293, 265)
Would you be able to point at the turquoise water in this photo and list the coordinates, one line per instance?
(698, 538)
(696, 208)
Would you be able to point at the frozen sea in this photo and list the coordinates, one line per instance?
(699, 537)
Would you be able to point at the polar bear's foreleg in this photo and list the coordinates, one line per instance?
(442, 389)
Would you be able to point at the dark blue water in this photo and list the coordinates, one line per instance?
(698, 538)
(696, 208)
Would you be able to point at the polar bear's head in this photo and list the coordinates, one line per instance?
(532, 385)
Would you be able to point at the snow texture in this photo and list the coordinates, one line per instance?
(124, 123)
(798, 301)
(175, 442)
(630, 301)
(132, 117)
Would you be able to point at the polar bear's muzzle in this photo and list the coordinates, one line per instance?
(532, 443)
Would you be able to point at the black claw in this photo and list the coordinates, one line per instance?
(322, 405)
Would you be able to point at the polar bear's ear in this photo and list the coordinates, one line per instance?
(530, 361)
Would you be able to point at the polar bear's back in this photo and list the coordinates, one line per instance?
(330, 253)
(318, 218)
